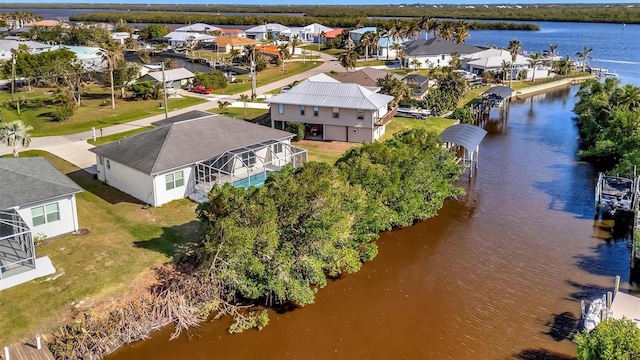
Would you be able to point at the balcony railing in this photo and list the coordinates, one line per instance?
(387, 117)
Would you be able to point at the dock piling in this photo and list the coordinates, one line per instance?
(6, 353)
(617, 286)
(38, 342)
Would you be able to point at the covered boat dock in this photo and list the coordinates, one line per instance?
(465, 140)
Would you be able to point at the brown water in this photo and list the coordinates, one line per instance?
(493, 276)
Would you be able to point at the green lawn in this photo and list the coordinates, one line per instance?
(119, 136)
(434, 123)
(241, 113)
(267, 76)
(124, 241)
(362, 63)
(94, 111)
(332, 52)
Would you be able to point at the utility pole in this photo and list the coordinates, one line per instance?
(164, 92)
(253, 74)
(13, 81)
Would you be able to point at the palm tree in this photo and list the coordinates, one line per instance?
(376, 42)
(416, 64)
(412, 30)
(514, 49)
(235, 53)
(322, 39)
(446, 31)
(295, 42)
(535, 61)
(15, 133)
(223, 105)
(113, 52)
(367, 41)
(283, 48)
(348, 59)
(584, 55)
(245, 99)
(436, 28)
(630, 97)
(425, 23)
(505, 67)
(461, 32)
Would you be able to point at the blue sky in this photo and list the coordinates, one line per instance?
(323, 2)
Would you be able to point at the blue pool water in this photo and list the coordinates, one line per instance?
(253, 180)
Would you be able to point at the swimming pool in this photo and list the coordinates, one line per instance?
(253, 180)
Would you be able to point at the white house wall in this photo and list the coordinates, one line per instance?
(163, 196)
(128, 180)
(68, 217)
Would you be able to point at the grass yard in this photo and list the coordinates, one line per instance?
(241, 113)
(434, 123)
(373, 62)
(325, 151)
(267, 76)
(332, 52)
(119, 136)
(124, 241)
(94, 111)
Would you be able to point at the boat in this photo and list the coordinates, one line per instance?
(415, 113)
(593, 317)
(614, 193)
(611, 74)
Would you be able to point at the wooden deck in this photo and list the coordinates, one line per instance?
(628, 306)
(28, 351)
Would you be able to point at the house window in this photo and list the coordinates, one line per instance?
(277, 148)
(301, 110)
(360, 114)
(45, 214)
(174, 180)
(280, 108)
(100, 160)
(249, 158)
(108, 164)
(336, 113)
(442, 57)
(316, 111)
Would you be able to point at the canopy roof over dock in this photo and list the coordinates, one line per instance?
(499, 91)
(467, 135)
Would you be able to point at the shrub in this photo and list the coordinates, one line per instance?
(62, 112)
(464, 115)
(296, 128)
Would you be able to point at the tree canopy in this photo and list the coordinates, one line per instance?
(613, 339)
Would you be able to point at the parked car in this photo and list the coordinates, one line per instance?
(315, 130)
(285, 89)
(200, 89)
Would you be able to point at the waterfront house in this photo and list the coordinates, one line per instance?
(307, 33)
(198, 28)
(330, 35)
(122, 36)
(186, 158)
(175, 78)
(225, 44)
(418, 84)
(269, 31)
(332, 110)
(179, 39)
(382, 47)
(36, 201)
(493, 59)
(435, 52)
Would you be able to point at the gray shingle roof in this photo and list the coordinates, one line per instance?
(437, 46)
(340, 95)
(184, 143)
(367, 77)
(31, 180)
(190, 115)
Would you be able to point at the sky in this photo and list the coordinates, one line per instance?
(322, 2)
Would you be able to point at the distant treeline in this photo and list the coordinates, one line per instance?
(338, 21)
(614, 13)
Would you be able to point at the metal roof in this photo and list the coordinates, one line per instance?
(171, 75)
(340, 95)
(469, 136)
(32, 180)
(500, 91)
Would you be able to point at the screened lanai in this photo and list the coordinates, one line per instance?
(465, 140)
(249, 165)
(17, 253)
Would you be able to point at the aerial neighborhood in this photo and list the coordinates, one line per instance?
(233, 165)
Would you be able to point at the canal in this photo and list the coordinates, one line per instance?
(498, 274)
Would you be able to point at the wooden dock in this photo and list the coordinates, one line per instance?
(27, 351)
(627, 306)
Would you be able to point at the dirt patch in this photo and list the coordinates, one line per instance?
(329, 146)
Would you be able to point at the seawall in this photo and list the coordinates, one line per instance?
(536, 89)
